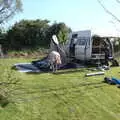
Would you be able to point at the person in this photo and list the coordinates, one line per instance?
(106, 56)
(72, 47)
(54, 60)
(107, 53)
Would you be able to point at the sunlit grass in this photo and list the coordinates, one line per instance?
(66, 95)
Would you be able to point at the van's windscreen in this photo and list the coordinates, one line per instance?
(83, 41)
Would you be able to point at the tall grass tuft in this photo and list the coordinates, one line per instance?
(8, 81)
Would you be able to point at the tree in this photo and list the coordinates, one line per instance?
(116, 44)
(108, 11)
(63, 33)
(8, 8)
(35, 33)
(60, 30)
(28, 33)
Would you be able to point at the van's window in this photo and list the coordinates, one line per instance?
(74, 35)
(83, 40)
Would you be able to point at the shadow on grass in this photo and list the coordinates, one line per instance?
(3, 101)
(68, 71)
(58, 72)
(72, 87)
(36, 73)
(55, 91)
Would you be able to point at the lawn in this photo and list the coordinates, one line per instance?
(66, 95)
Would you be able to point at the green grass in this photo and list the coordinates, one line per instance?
(66, 95)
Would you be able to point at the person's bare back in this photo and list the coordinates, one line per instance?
(54, 59)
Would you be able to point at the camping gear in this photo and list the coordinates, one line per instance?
(34, 66)
(26, 67)
(94, 74)
(42, 65)
(116, 81)
(103, 68)
(109, 81)
(112, 81)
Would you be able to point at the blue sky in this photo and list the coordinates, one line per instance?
(77, 14)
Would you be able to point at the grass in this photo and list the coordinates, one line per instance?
(66, 95)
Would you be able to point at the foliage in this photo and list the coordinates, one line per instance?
(60, 30)
(96, 37)
(116, 45)
(33, 33)
(3, 41)
(8, 8)
(28, 33)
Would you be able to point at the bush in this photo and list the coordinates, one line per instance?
(27, 33)
(35, 33)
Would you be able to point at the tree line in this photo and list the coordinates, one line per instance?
(33, 33)
(36, 33)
